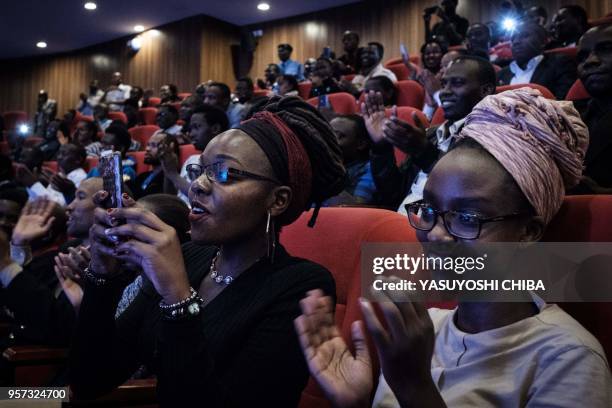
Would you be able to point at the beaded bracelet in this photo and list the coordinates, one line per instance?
(187, 307)
(92, 278)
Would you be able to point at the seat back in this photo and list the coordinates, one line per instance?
(438, 117)
(91, 163)
(577, 92)
(586, 218)
(401, 72)
(415, 59)
(348, 77)
(341, 102)
(141, 167)
(304, 89)
(544, 90)
(260, 92)
(344, 230)
(118, 116)
(568, 51)
(184, 95)
(142, 134)
(147, 116)
(185, 151)
(410, 93)
(154, 101)
(12, 119)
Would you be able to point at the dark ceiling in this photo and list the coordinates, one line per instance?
(66, 25)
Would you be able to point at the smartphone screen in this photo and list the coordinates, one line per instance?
(404, 51)
(323, 101)
(112, 177)
(327, 52)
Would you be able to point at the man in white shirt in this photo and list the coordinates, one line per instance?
(166, 118)
(554, 71)
(88, 102)
(371, 66)
(63, 185)
(117, 93)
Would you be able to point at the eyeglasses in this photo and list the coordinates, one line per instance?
(220, 173)
(463, 225)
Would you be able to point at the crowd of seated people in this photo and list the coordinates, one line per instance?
(188, 281)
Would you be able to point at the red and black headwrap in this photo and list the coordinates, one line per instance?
(294, 136)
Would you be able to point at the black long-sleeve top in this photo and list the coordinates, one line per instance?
(241, 351)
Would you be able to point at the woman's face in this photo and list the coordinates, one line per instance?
(432, 56)
(469, 180)
(84, 136)
(236, 210)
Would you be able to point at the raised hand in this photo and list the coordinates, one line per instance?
(34, 222)
(373, 111)
(405, 349)
(346, 379)
(169, 161)
(147, 241)
(409, 139)
(67, 269)
(101, 263)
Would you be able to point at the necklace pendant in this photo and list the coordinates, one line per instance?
(227, 280)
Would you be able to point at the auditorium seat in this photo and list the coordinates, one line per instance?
(147, 116)
(569, 51)
(577, 92)
(257, 93)
(586, 218)
(141, 167)
(154, 101)
(51, 165)
(118, 116)
(348, 77)
(405, 113)
(184, 95)
(185, 151)
(91, 163)
(12, 119)
(32, 141)
(401, 72)
(143, 134)
(410, 93)
(438, 117)
(177, 105)
(304, 89)
(341, 102)
(415, 59)
(607, 19)
(344, 229)
(5, 148)
(544, 90)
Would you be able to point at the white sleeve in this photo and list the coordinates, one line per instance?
(37, 190)
(384, 397)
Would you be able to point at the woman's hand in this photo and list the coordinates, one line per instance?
(101, 263)
(147, 241)
(345, 379)
(405, 349)
(68, 269)
(373, 111)
(34, 222)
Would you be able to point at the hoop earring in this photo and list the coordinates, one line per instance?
(270, 237)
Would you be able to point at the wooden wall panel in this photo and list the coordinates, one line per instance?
(386, 21)
(186, 53)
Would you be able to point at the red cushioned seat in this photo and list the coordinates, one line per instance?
(438, 117)
(118, 116)
(341, 102)
(154, 101)
(51, 165)
(141, 167)
(348, 77)
(184, 95)
(344, 230)
(185, 151)
(304, 89)
(401, 72)
(415, 59)
(12, 119)
(410, 93)
(577, 92)
(569, 51)
(261, 92)
(147, 116)
(142, 134)
(91, 163)
(544, 90)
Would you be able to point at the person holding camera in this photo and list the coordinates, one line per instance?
(451, 26)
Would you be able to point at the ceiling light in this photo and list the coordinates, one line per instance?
(263, 6)
(139, 28)
(90, 5)
(41, 44)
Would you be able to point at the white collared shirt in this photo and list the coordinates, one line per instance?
(416, 190)
(523, 76)
(38, 190)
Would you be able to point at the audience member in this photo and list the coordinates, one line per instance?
(595, 72)
(355, 145)
(166, 119)
(287, 65)
(568, 25)
(169, 93)
(432, 83)
(371, 66)
(537, 15)
(87, 102)
(30, 167)
(206, 123)
(218, 94)
(57, 134)
(132, 105)
(480, 353)
(9, 189)
(271, 75)
(351, 58)
(466, 82)
(431, 55)
(101, 116)
(323, 81)
(478, 40)
(9, 212)
(244, 90)
(554, 71)
(188, 105)
(152, 182)
(385, 87)
(451, 26)
(46, 110)
(117, 93)
(117, 139)
(309, 65)
(288, 86)
(86, 135)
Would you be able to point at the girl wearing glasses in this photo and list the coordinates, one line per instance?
(214, 319)
(503, 181)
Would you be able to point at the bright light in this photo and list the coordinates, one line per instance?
(263, 6)
(139, 28)
(41, 44)
(24, 129)
(135, 43)
(509, 24)
(90, 5)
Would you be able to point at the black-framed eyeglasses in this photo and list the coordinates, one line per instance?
(221, 173)
(460, 224)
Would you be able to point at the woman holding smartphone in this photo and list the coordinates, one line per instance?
(214, 319)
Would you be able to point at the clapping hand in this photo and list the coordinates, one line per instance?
(68, 269)
(373, 111)
(34, 222)
(345, 378)
(401, 134)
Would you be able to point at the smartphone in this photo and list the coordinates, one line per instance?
(112, 177)
(404, 52)
(323, 101)
(327, 52)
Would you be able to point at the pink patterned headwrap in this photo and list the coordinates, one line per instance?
(540, 142)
